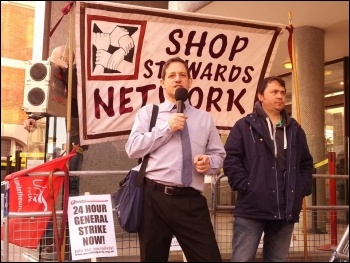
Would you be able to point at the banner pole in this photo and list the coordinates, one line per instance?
(69, 101)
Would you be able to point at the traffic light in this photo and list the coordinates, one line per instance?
(44, 89)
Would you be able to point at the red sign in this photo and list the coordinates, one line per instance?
(32, 194)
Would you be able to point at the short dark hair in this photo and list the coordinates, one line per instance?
(263, 84)
(171, 60)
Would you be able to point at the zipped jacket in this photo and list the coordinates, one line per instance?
(251, 168)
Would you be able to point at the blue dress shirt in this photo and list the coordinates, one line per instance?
(164, 146)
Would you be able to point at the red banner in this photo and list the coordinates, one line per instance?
(32, 194)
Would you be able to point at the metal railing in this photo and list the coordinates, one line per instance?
(221, 205)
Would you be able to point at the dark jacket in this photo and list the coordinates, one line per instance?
(250, 166)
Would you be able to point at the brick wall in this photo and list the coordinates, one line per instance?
(17, 27)
(12, 80)
(16, 43)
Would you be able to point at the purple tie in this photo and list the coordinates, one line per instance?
(186, 157)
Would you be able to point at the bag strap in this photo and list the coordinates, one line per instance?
(139, 179)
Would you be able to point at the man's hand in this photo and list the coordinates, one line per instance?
(177, 122)
(202, 163)
(30, 125)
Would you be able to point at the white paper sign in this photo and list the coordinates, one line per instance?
(91, 227)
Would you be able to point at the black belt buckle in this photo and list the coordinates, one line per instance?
(166, 188)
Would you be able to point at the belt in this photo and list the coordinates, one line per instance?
(171, 190)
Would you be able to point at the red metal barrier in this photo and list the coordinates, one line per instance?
(332, 197)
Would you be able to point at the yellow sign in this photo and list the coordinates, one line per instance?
(32, 154)
(4, 164)
(321, 163)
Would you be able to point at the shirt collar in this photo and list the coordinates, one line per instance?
(187, 105)
(168, 105)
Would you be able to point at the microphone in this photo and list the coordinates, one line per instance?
(181, 95)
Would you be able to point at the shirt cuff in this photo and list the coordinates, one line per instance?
(34, 117)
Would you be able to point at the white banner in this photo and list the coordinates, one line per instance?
(120, 51)
(91, 227)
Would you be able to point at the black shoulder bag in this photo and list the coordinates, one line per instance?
(129, 197)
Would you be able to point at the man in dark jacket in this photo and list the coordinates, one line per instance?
(269, 164)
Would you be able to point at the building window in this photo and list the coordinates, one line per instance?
(5, 147)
